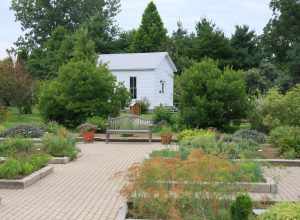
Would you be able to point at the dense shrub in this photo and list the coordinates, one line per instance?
(60, 145)
(98, 121)
(26, 131)
(241, 208)
(282, 211)
(17, 168)
(287, 139)
(251, 135)
(162, 115)
(165, 153)
(276, 109)
(252, 170)
(12, 146)
(211, 97)
(81, 90)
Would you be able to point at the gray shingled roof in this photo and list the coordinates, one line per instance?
(135, 61)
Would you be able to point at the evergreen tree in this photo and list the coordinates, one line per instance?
(151, 35)
(246, 48)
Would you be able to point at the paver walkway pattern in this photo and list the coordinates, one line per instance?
(88, 189)
(83, 189)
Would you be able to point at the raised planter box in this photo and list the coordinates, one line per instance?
(277, 162)
(122, 213)
(26, 181)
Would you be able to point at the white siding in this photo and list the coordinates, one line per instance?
(149, 85)
(144, 82)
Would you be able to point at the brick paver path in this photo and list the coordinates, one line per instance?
(84, 189)
(88, 188)
(288, 179)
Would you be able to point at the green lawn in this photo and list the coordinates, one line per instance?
(16, 118)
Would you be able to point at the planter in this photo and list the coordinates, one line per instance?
(88, 136)
(166, 138)
(26, 181)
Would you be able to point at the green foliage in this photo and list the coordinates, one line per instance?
(3, 114)
(16, 168)
(151, 35)
(211, 42)
(25, 131)
(100, 122)
(247, 53)
(282, 211)
(287, 139)
(252, 170)
(60, 145)
(53, 127)
(68, 14)
(11, 146)
(165, 130)
(162, 115)
(250, 135)
(218, 96)
(241, 208)
(81, 90)
(165, 153)
(276, 109)
(189, 134)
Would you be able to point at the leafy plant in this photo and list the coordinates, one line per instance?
(98, 121)
(172, 188)
(287, 139)
(251, 135)
(16, 168)
(189, 134)
(282, 211)
(53, 127)
(165, 153)
(162, 115)
(26, 131)
(166, 131)
(60, 145)
(12, 146)
(241, 208)
(87, 127)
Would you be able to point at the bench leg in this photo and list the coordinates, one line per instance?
(150, 137)
(107, 137)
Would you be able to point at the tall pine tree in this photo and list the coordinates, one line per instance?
(151, 35)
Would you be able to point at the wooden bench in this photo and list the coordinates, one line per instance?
(129, 124)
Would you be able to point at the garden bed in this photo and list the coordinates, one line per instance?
(276, 162)
(26, 181)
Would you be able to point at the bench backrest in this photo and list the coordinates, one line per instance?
(129, 122)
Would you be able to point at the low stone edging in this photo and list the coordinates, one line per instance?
(59, 160)
(26, 181)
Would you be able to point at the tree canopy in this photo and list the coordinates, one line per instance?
(151, 35)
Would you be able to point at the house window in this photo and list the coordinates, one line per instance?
(133, 87)
(162, 90)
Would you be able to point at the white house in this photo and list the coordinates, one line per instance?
(146, 75)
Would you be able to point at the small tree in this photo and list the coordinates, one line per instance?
(82, 89)
(210, 97)
(151, 35)
(16, 85)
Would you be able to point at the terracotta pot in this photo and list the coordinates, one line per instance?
(88, 136)
(166, 138)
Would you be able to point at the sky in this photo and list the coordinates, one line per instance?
(225, 13)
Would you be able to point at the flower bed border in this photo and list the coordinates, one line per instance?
(26, 181)
(59, 160)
